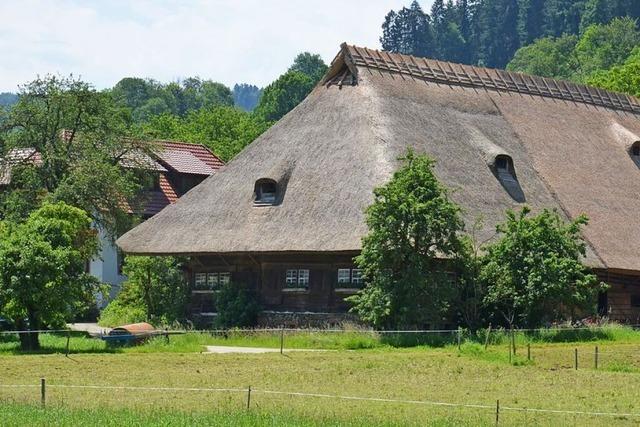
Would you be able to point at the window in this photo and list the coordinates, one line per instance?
(212, 280)
(350, 278)
(504, 168)
(506, 174)
(303, 278)
(292, 278)
(200, 281)
(225, 278)
(297, 279)
(635, 153)
(356, 277)
(344, 276)
(265, 192)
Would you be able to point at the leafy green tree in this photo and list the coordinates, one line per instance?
(413, 225)
(81, 136)
(604, 46)
(156, 291)
(624, 78)
(246, 96)
(43, 282)
(237, 306)
(547, 57)
(134, 92)
(225, 130)
(310, 64)
(283, 95)
(534, 272)
(198, 93)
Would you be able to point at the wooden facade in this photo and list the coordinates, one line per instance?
(621, 302)
(270, 276)
(324, 292)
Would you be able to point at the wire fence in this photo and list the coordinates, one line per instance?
(250, 394)
(517, 342)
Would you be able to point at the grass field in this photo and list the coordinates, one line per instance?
(471, 375)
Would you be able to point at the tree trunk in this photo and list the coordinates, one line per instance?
(29, 341)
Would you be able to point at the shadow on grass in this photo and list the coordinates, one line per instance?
(415, 339)
(56, 343)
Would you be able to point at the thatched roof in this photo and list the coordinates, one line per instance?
(569, 146)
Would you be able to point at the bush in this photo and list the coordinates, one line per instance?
(155, 291)
(237, 306)
(118, 313)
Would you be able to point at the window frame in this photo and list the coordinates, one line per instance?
(341, 280)
(262, 197)
(358, 282)
(297, 279)
(203, 283)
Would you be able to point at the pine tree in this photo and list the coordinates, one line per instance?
(499, 37)
(530, 20)
(390, 37)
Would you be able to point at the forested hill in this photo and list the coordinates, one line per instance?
(7, 99)
(489, 32)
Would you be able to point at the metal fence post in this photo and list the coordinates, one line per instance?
(528, 351)
(248, 397)
(497, 411)
(596, 358)
(459, 337)
(43, 392)
(576, 358)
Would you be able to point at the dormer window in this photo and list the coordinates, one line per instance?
(506, 174)
(266, 192)
(504, 168)
(634, 151)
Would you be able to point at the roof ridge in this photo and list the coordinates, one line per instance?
(452, 73)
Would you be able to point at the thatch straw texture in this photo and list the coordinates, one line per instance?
(329, 153)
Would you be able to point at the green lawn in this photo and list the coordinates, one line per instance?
(445, 374)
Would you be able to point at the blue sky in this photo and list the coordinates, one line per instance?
(248, 41)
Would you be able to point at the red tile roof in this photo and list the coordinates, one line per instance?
(188, 158)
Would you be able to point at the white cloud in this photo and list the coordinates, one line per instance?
(249, 41)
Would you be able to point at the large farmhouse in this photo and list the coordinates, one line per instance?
(287, 215)
(173, 167)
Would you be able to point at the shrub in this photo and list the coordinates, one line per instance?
(155, 291)
(118, 313)
(237, 306)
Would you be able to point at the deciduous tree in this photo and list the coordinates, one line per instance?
(534, 271)
(413, 225)
(43, 282)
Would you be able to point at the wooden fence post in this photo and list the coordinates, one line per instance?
(68, 339)
(513, 341)
(528, 351)
(282, 340)
(576, 358)
(486, 340)
(43, 392)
